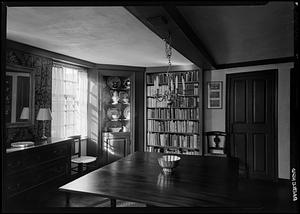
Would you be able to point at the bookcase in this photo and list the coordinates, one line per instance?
(175, 128)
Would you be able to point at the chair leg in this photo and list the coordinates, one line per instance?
(80, 168)
(68, 199)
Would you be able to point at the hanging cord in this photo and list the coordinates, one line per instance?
(168, 50)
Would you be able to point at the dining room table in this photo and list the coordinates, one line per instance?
(198, 181)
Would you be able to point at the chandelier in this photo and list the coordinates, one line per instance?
(171, 94)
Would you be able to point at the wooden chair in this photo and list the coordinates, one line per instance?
(216, 143)
(82, 163)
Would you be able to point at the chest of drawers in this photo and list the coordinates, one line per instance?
(37, 166)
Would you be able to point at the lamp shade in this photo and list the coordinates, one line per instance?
(44, 114)
(25, 113)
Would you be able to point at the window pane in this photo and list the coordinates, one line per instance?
(69, 101)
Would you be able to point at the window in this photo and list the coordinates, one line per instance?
(69, 101)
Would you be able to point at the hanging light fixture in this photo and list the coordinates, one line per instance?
(171, 93)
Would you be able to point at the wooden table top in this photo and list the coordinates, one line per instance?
(197, 182)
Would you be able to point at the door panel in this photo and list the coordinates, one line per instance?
(259, 148)
(259, 105)
(251, 122)
(116, 149)
(240, 148)
(240, 101)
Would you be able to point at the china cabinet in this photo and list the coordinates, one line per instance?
(117, 118)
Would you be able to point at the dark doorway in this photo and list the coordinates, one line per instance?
(251, 122)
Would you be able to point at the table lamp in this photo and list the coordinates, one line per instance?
(43, 115)
(25, 113)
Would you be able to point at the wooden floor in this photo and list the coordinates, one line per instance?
(261, 197)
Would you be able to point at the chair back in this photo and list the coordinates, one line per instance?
(216, 142)
(76, 145)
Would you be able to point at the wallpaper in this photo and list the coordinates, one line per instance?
(43, 82)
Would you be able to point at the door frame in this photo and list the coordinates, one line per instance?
(275, 125)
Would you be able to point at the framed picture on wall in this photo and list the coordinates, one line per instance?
(214, 95)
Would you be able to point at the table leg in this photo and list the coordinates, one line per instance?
(67, 199)
(113, 203)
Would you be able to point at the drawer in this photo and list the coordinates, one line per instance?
(20, 182)
(27, 159)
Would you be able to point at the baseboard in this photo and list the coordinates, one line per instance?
(283, 180)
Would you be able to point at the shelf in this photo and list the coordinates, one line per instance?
(180, 133)
(174, 107)
(190, 82)
(115, 120)
(174, 147)
(173, 119)
(179, 95)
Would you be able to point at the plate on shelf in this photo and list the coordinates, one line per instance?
(114, 82)
(128, 126)
(22, 144)
(124, 96)
(113, 113)
(126, 83)
(126, 113)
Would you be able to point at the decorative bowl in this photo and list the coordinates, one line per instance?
(168, 163)
(115, 129)
(22, 144)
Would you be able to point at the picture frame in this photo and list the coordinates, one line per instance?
(214, 94)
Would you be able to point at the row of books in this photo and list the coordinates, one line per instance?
(184, 152)
(173, 126)
(183, 102)
(188, 76)
(173, 151)
(174, 113)
(190, 89)
(173, 140)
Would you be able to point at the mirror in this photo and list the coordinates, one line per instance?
(19, 96)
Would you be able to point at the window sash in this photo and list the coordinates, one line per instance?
(69, 101)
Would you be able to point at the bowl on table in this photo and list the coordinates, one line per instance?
(168, 163)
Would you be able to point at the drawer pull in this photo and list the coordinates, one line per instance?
(14, 164)
(14, 187)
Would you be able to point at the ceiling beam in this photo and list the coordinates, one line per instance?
(188, 31)
(162, 21)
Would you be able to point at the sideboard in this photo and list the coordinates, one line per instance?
(32, 168)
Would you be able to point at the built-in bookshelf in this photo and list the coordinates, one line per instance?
(175, 128)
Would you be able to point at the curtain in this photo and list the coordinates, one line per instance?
(69, 101)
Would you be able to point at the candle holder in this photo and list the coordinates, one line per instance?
(170, 95)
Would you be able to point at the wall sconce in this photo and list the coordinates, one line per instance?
(43, 115)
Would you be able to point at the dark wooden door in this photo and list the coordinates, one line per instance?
(251, 101)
